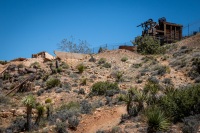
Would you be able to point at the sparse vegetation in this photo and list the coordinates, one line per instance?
(147, 45)
(53, 82)
(80, 68)
(102, 61)
(100, 88)
(124, 59)
(107, 65)
(156, 120)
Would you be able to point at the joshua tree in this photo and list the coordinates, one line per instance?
(40, 111)
(29, 101)
(49, 107)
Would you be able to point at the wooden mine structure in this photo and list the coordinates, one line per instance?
(165, 31)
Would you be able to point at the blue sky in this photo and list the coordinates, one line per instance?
(32, 26)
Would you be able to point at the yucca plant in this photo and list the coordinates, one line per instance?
(156, 120)
(29, 101)
(40, 112)
(49, 107)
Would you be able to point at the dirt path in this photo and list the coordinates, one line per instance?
(101, 119)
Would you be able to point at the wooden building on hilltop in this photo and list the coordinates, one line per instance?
(166, 32)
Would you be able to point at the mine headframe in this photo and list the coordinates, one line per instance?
(147, 25)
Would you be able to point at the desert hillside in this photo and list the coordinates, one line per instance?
(87, 95)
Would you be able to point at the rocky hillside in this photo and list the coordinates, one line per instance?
(85, 96)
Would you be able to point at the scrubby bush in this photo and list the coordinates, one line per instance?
(161, 70)
(107, 65)
(81, 91)
(64, 65)
(156, 120)
(3, 62)
(80, 68)
(100, 88)
(102, 61)
(137, 65)
(147, 45)
(181, 103)
(73, 122)
(35, 65)
(124, 59)
(86, 107)
(61, 127)
(191, 124)
(53, 82)
(83, 81)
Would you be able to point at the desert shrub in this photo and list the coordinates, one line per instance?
(102, 61)
(81, 91)
(52, 83)
(116, 129)
(107, 65)
(86, 107)
(48, 100)
(17, 125)
(100, 88)
(20, 65)
(92, 59)
(83, 81)
(196, 63)
(61, 127)
(35, 65)
(3, 62)
(124, 117)
(64, 65)
(181, 102)
(80, 68)
(153, 80)
(161, 70)
(73, 122)
(6, 76)
(147, 45)
(167, 81)
(137, 65)
(70, 106)
(191, 124)
(117, 75)
(156, 120)
(124, 59)
(181, 52)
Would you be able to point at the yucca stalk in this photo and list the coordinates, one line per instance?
(29, 101)
(40, 112)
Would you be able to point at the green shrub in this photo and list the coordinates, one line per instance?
(161, 70)
(137, 65)
(102, 61)
(147, 45)
(64, 65)
(20, 65)
(100, 88)
(3, 62)
(73, 105)
(124, 59)
(52, 83)
(35, 64)
(156, 120)
(48, 100)
(107, 65)
(80, 68)
(84, 81)
(61, 127)
(181, 102)
(73, 122)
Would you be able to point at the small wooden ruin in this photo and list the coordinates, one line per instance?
(166, 32)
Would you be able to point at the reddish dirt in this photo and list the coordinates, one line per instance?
(101, 119)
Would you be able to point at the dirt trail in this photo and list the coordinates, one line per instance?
(101, 119)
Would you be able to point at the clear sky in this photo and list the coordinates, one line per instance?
(32, 26)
